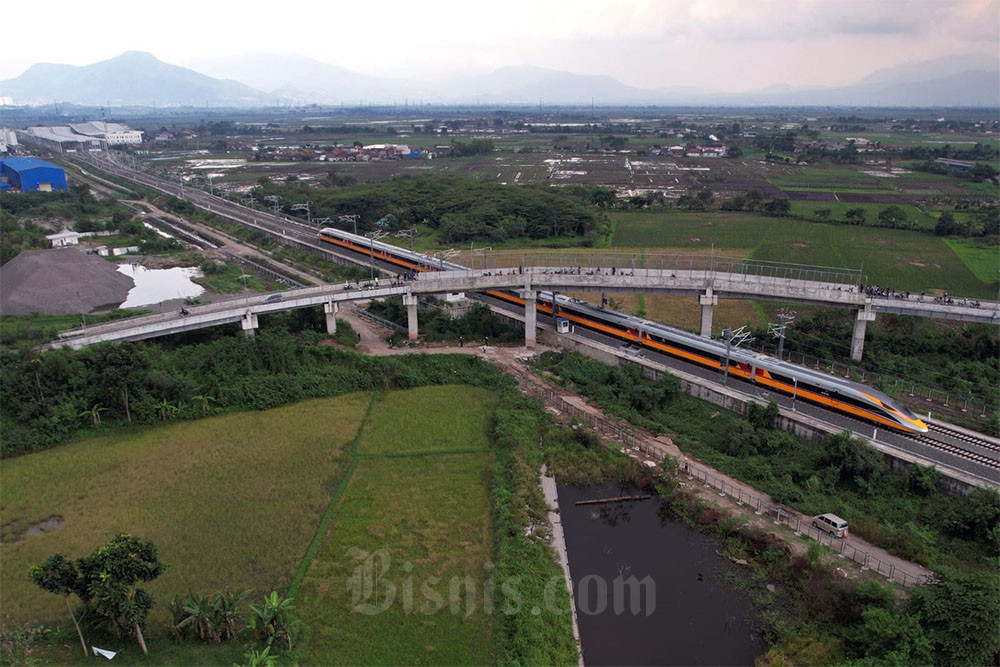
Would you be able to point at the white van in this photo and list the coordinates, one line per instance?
(831, 523)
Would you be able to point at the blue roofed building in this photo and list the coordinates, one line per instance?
(29, 174)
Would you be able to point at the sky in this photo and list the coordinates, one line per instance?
(731, 45)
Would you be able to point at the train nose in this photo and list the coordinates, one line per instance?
(919, 426)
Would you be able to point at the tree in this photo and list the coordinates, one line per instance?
(273, 619)
(778, 207)
(121, 366)
(892, 216)
(94, 413)
(110, 575)
(754, 200)
(891, 638)
(958, 613)
(856, 216)
(945, 224)
(823, 214)
(706, 197)
(58, 575)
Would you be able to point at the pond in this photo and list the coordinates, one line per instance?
(678, 610)
(156, 285)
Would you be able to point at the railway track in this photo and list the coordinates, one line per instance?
(956, 450)
(982, 443)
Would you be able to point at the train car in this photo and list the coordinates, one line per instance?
(801, 383)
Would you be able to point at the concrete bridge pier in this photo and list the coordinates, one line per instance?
(708, 300)
(410, 301)
(861, 320)
(249, 323)
(530, 316)
(331, 308)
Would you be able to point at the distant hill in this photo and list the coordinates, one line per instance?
(136, 78)
(133, 78)
(304, 79)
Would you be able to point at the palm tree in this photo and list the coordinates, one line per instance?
(164, 409)
(204, 400)
(94, 413)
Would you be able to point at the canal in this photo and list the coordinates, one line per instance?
(678, 609)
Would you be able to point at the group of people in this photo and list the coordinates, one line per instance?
(888, 293)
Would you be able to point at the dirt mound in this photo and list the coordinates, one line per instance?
(60, 282)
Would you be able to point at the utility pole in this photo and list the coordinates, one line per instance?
(778, 330)
(350, 218)
(305, 207)
(734, 338)
(407, 232)
(275, 203)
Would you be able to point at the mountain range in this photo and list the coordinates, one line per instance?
(139, 79)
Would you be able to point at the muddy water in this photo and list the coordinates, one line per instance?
(679, 609)
(156, 285)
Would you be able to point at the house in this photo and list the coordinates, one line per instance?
(64, 238)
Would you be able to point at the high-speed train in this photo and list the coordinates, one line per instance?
(851, 398)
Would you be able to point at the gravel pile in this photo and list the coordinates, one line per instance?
(60, 281)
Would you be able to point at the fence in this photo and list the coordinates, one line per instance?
(257, 267)
(375, 318)
(781, 516)
(626, 435)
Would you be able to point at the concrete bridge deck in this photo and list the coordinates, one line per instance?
(708, 285)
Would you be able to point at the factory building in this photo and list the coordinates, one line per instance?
(29, 174)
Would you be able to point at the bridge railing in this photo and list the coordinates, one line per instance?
(486, 260)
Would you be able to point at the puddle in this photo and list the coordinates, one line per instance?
(12, 532)
(156, 285)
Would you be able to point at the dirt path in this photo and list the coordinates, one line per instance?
(508, 359)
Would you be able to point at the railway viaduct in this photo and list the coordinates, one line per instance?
(708, 278)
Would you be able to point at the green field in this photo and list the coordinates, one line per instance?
(900, 259)
(979, 256)
(230, 501)
(832, 178)
(235, 502)
(428, 512)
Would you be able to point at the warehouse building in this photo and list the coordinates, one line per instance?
(29, 174)
(57, 138)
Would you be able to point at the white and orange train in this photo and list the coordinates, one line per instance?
(834, 393)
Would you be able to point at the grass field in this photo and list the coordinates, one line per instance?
(429, 413)
(901, 259)
(230, 501)
(425, 510)
(835, 178)
(980, 257)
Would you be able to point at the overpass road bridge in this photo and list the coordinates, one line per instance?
(527, 282)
